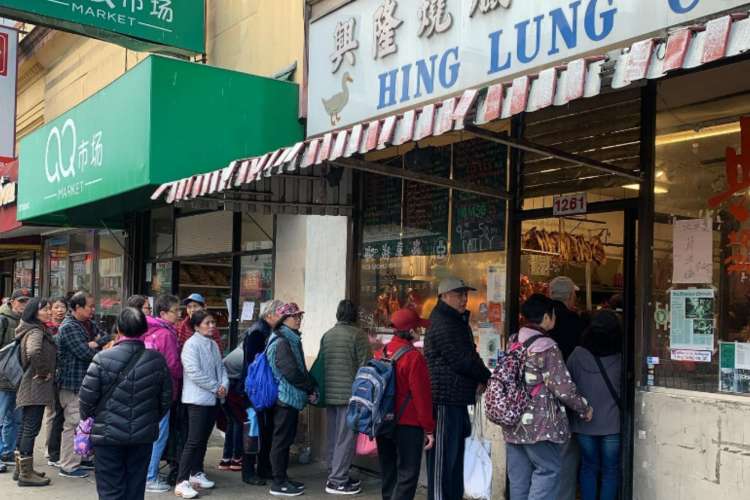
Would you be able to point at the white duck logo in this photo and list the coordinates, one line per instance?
(335, 104)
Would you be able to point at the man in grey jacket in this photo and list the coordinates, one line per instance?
(344, 349)
(10, 417)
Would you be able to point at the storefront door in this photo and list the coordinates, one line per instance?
(597, 250)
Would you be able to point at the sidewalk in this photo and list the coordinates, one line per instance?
(228, 484)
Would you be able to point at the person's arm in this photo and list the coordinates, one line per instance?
(34, 343)
(558, 381)
(287, 366)
(192, 369)
(76, 342)
(100, 337)
(166, 344)
(461, 355)
(362, 349)
(90, 392)
(421, 394)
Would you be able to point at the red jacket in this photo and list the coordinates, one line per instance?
(412, 376)
(161, 337)
(185, 331)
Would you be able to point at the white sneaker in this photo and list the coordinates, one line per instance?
(184, 490)
(201, 481)
(157, 486)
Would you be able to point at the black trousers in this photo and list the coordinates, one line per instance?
(54, 433)
(31, 424)
(400, 460)
(284, 431)
(260, 465)
(445, 462)
(121, 471)
(201, 420)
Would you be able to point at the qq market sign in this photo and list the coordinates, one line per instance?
(166, 26)
(373, 57)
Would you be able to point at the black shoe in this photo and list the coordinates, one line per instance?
(7, 459)
(3, 468)
(342, 489)
(286, 489)
(296, 484)
(86, 465)
(254, 481)
(356, 483)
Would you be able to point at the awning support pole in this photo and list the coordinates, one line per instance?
(409, 175)
(531, 147)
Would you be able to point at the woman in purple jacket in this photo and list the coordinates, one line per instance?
(596, 369)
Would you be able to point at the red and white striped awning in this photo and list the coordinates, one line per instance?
(683, 48)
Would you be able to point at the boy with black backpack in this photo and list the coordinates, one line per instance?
(534, 442)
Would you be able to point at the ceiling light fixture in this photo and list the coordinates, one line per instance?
(702, 133)
(637, 187)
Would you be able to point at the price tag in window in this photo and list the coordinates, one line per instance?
(569, 204)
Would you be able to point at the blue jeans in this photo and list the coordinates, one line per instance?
(158, 449)
(600, 455)
(10, 421)
(534, 470)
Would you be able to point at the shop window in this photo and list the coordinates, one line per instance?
(256, 287)
(700, 331)
(204, 234)
(162, 233)
(212, 279)
(57, 266)
(111, 272)
(415, 234)
(26, 273)
(257, 232)
(81, 261)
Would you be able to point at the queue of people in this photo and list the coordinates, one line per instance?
(171, 370)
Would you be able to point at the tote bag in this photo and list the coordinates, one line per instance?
(477, 461)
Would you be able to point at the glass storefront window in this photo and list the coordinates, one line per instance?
(57, 266)
(26, 273)
(162, 233)
(701, 283)
(256, 287)
(81, 261)
(111, 272)
(257, 232)
(416, 234)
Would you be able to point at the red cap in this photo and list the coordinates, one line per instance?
(404, 320)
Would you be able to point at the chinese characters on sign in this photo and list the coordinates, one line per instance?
(486, 6)
(384, 29)
(738, 180)
(346, 44)
(67, 156)
(433, 17)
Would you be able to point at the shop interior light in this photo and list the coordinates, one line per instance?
(657, 189)
(702, 133)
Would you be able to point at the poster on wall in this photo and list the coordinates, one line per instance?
(489, 344)
(496, 283)
(734, 367)
(692, 319)
(692, 252)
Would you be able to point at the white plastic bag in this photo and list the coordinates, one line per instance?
(477, 461)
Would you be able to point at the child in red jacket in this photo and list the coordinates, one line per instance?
(401, 455)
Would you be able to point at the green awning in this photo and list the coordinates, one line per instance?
(163, 120)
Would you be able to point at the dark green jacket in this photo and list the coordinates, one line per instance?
(346, 349)
(8, 324)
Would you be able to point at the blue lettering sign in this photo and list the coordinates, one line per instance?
(608, 21)
(446, 81)
(495, 65)
(567, 29)
(425, 76)
(387, 86)
(521, 31)
(678, 7)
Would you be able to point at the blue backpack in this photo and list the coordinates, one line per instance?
(261, 386)
(371, 407)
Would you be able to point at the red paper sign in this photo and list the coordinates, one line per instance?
(3, 54)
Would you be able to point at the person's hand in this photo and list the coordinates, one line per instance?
(429, 441)
(93, 345)
(222, 392)
(589, 414)
(481, 388)
(313, 398)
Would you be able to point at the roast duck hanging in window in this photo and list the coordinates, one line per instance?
(569, 247)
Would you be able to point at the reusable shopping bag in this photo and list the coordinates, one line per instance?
(477, 461)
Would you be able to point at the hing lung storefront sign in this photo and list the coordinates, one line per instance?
(159, 25)
(373, 57)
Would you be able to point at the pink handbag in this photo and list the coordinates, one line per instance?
(366, 447)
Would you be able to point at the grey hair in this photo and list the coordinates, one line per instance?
(271, 308)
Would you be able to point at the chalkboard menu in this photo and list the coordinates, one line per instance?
(478, 221)
(426, 206)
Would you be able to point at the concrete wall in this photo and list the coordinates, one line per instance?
(291, 248)
(691, 446)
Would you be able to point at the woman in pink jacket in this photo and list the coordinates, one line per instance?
(162, 337)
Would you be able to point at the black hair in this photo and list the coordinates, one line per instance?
(30, 313)
(131, 322)
(164, 303)
(347, 312)
(197, 318)
(536, 307)
(604, 335)
(54, 300)
(78, 300)
(137, 301)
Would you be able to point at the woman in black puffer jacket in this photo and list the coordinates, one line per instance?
(127, 390)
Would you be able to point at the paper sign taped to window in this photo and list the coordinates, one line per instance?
(691, 355)
(692, 252)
